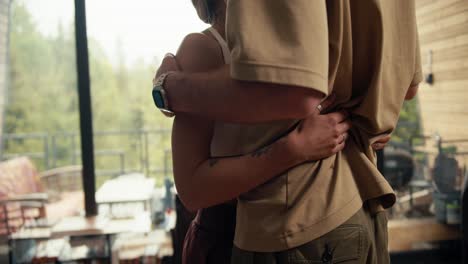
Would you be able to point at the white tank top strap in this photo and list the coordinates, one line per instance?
(223, 44)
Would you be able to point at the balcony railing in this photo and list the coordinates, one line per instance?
(116, 152)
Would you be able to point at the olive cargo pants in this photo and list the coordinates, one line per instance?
(361, 239)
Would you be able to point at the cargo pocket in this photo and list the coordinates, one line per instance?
(344, 245)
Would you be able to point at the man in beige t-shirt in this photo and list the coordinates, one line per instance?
(367, 53)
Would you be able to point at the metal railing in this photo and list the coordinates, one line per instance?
(146, 151)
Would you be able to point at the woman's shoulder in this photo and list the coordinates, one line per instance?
(198, 51)
(198, 40)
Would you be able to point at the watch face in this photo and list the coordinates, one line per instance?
(158, 99)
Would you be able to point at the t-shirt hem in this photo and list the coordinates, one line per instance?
(279, 74)
(291, 240)
(384, 195)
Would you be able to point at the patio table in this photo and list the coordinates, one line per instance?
(127, 189)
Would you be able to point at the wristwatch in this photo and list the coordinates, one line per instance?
(160, 95)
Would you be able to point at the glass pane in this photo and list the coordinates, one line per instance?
(41, 112)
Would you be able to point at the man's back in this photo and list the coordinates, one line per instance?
(372, 49)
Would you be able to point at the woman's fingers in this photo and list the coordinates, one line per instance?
(168, 64)
(343, 126)
(338, 117)
(344, 137)
(339, 147)
(320, 136)
(341, 138)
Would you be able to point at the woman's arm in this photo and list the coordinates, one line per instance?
(202, 182)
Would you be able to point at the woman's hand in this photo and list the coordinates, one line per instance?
(320, 136)
(168, 64)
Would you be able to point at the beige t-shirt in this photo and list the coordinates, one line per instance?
(367, 53)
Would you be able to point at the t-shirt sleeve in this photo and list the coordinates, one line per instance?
(418, 75)
(279, 41)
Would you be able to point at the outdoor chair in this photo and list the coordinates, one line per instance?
(22, 199)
